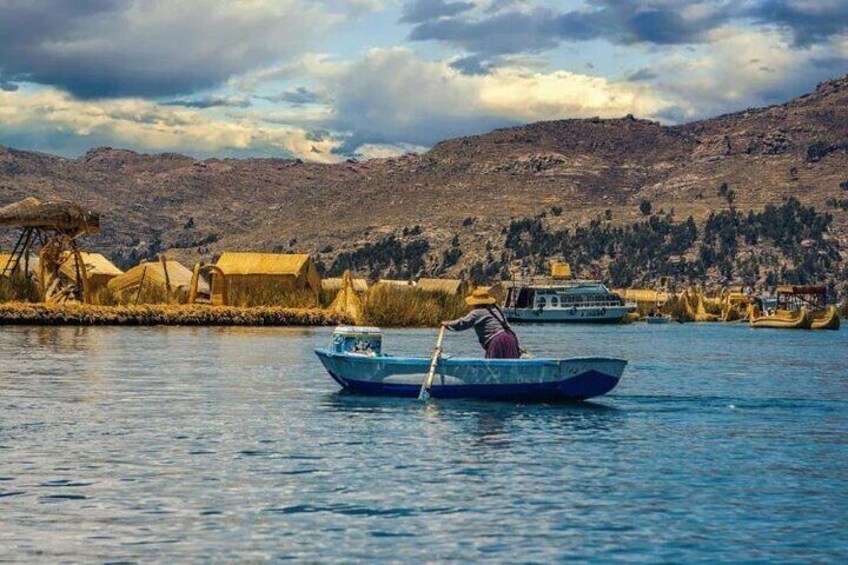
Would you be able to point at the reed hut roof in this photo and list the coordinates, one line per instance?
(447, 286)
(335, 284)
(396, 282)
(153, 273)
(59, 215)
(262, 263)
(95, 264)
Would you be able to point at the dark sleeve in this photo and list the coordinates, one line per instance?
(463, 323)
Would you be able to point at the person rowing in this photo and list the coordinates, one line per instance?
(488, 320)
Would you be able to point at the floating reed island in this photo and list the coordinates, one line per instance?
(48, 279)
(21, 313)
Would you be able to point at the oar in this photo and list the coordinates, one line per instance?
(424, 394)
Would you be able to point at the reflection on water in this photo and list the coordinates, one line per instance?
(120, 444)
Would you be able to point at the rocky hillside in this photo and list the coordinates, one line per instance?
(455, 208)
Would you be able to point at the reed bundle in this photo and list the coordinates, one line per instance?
(19, 288)
(390, 306)
(20, 313)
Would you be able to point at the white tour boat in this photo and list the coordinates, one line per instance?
(563, 301)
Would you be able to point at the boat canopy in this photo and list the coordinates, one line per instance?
(802, 289)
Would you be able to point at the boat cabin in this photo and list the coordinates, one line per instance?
(580, 294)
(795, 297)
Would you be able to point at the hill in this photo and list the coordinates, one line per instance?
(612, 195)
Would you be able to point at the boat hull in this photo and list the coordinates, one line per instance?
(827, 320)
(607, 315)
(784, 320)
(488, 379)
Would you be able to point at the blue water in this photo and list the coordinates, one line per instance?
(721, 443)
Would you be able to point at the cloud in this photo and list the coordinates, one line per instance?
(810, 21)
(299, 96)
(391, 96)
(417, 11)
(742, 68)
(114, 48)
(386, 150)
(511, 27)
(145, 125)
(212, 102)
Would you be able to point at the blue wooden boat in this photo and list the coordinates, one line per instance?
(365, 369)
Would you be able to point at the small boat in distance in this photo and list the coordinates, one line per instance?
(781, 319)
(798, 307)
(560, 299)
(658, 319)
(355, 361)
(545, 300)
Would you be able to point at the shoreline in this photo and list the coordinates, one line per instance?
(27, 314)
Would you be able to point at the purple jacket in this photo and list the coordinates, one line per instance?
(487, 322)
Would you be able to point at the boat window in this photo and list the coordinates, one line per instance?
(554, 301)
(541, 303)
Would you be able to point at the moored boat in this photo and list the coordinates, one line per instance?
(545, 300)
(782, 319)
(355, 361)
(657, 319)
(799, 307)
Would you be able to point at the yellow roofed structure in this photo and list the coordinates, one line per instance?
(335, 284)
(252, 279)
(399, 283)
(168, 276)
(347, 300)
(98, 269)
(561, 270)
(446, 286)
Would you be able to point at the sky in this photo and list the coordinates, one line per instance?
(324, 80)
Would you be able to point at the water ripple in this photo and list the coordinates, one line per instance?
(227, 444)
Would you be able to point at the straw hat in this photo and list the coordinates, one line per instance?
(480, 297)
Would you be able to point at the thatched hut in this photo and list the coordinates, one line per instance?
(452, 287)
(397, 283)
(65, 217)
(335, 284)
(252, 279)
(165, 277)
(98, 269)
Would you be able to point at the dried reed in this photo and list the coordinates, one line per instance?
(389, 306)
(20, 313)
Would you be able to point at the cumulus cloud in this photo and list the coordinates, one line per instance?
(746, 67)
(392, 95)
(417, 11)
(299, 96)
(385, 150)
(146, 125)
(810, 21)
(212, 102)
(526, 27)
(112, 48)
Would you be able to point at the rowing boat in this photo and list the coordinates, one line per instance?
(365, 369)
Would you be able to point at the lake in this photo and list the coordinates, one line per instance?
(721, 443)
